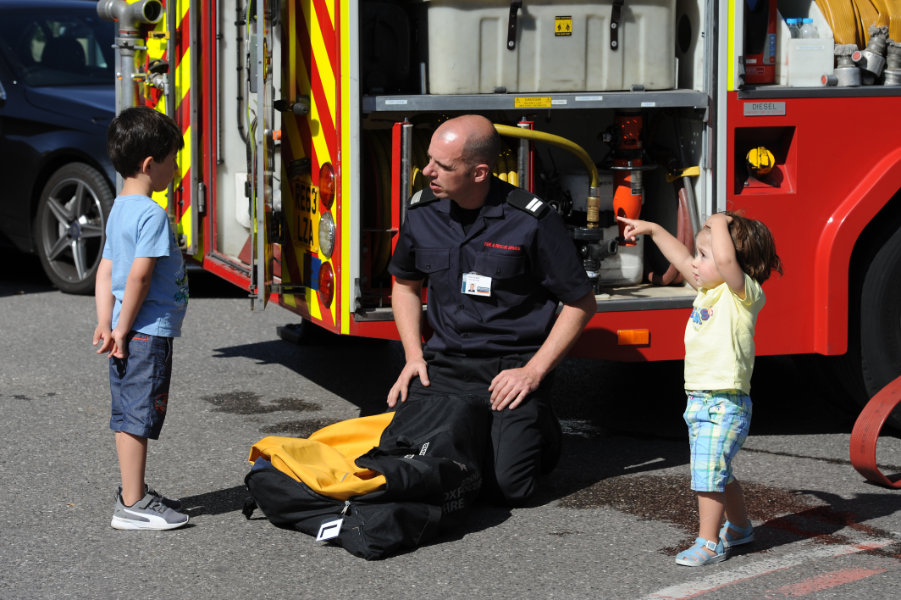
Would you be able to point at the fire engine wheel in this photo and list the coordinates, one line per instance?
(880, 319)
(303, 333)
(69, 228)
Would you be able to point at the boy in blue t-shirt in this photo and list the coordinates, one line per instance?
(141, 296)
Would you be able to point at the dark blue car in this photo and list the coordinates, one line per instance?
(57, 97)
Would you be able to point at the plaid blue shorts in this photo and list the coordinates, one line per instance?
(139, 384)
(718, 423)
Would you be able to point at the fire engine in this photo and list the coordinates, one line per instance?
(306, 124)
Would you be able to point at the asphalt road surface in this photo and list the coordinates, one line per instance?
(606, 524)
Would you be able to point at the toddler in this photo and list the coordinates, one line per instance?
(734, 255)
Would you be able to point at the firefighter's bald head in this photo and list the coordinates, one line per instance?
(481, 144)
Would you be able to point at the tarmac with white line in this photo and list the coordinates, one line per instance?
(607, 523)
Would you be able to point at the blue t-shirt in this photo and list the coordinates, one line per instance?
(139, 227)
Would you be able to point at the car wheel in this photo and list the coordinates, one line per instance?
(70, 227)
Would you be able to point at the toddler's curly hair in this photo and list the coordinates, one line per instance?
(755, 248)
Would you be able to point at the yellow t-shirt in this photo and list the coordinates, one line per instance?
(719, 338)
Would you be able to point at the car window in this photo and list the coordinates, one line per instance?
(58, 48)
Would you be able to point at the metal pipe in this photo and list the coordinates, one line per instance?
(406, 165)
(240, 17)
(130, 17)
(170, 95)
(522, 160)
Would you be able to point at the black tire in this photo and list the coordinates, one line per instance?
(70, 226)
(874, 328)
(880, 318)
(303, 333)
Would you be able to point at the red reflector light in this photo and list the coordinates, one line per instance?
(327, 185)
(633, 337)
(326, 284)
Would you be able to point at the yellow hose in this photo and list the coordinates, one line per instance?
(556, 140)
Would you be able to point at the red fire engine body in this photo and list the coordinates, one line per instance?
(306, 123)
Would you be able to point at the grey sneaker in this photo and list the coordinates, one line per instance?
(147, 513)
(173, 503)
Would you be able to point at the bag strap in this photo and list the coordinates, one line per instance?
(250, 505)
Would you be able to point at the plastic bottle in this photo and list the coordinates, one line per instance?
(808, 29)
(794, 27)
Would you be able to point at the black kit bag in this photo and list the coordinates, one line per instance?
(421, 470)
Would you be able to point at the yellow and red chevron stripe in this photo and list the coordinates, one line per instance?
(156, 44)
(310, 52)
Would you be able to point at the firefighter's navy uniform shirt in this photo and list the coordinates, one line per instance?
(528, 255)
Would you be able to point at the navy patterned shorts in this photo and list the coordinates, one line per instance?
(139, 384)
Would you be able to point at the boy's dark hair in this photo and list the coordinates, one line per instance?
(755, 248)
(139, 132)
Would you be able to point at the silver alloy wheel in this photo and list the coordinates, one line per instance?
(70, 226)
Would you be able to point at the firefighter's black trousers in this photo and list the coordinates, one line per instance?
(525, 441)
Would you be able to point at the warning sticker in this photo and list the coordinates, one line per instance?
(532, 102)
(563, 26)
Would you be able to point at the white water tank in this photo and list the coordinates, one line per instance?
(569, 46)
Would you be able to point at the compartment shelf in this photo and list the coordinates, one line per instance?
(776, 91)
(536, 101)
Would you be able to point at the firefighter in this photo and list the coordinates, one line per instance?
(497, 262)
